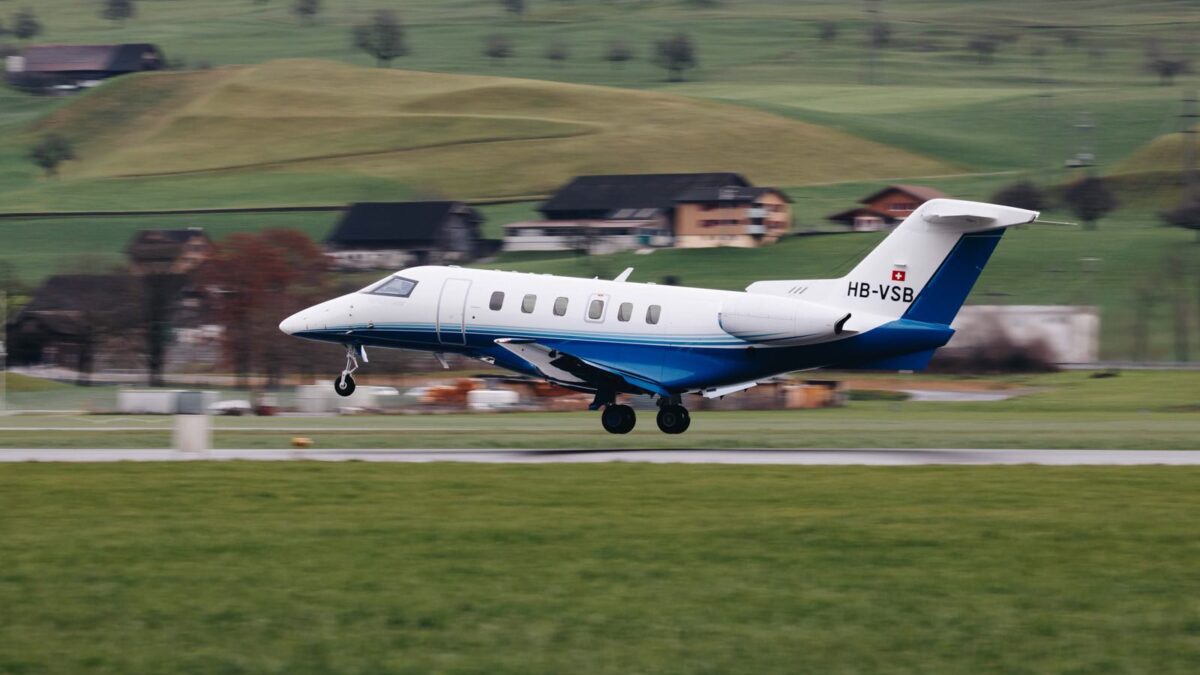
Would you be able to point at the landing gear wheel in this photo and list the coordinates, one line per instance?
(344, 384)
(673, 419)
(618, 419)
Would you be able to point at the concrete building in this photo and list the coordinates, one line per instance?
(1067, 333)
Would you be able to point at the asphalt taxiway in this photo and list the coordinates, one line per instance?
(831, 457)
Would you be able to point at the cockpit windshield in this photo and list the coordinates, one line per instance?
(398, 287)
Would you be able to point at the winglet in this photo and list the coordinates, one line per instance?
(624, 275)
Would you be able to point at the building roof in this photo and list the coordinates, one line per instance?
(149, 245)
(849, 215)
(395, 224)
(591, 224)
(727, 193)
(67, 303)
(88, 58)
(920, 192)
(611, 193)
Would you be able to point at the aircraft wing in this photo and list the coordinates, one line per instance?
(563, 368)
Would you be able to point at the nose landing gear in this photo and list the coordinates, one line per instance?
(344, 384)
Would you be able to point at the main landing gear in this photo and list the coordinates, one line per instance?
(672, 418)
(344, 384)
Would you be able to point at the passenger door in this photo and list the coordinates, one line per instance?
(452, 311)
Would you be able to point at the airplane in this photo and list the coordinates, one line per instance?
(614, 337)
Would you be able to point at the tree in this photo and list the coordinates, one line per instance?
(1165, 65)
(255, 281)
(557, 51)
(497, 47)
(516, 7)
(676, 54)
(382, 37)
(984, 46)
(1089, 199)
(879, 35)
(118, 11)
(1186, 214)
(618, 52)
(50, 152)
(827, 31)
(1021, 195)
(306, 10)
(25, 24)
(159, 293)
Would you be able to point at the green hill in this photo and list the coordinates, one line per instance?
(458, 135)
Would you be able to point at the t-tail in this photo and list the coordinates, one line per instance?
(920, 274)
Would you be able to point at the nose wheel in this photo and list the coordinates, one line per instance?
(344, 384)
(618, 419)
(673, 419)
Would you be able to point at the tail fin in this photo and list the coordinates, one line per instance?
(923, 270)
(926, 267)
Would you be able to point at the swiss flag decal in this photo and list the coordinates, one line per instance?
(897, 275)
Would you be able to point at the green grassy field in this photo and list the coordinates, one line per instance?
(265, 568)
(1137, 410)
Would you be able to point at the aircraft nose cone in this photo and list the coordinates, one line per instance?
(293, 324)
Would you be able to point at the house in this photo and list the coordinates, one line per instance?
(601, 214)
(48, 67)
(731, 216)
(168, 251)
(886, 207)
(392, 235)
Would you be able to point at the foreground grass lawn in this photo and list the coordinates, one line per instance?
(255, 568)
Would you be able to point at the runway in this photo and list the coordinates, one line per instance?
(813, 457)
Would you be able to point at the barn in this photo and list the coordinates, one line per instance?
(45, 68)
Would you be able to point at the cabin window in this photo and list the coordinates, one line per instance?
(653, 312)
(625, 311)
(396, 286)
(497, 301)
(560, 307)
(596, 309)
(528, 303)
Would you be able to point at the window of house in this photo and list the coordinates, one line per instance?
(497, 301)
(560, 307)
(653, 312)
(596, 309)
(398, 287)
(528, 303)
(625, 311)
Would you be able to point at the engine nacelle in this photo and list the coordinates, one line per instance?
(774, 320)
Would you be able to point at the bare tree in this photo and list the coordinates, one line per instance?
(307, 10)
(50, 152)
(1090, 199)
(498, 47)
(984, 46)
(1165, 65)
(1021, 195)
(557, 51)
(514, 7)
(118, 11)
(382, 37)
(676, 54)
(618, 52)
(25, 24)
(827, 31)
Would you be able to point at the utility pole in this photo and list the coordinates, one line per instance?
(3, 351)
(871, 13)
(1188, 120)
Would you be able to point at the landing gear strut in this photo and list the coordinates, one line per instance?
(344, 384)
(618, 419)
(672, 417)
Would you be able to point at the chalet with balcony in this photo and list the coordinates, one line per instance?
(608, 213)
(168, 251)
(886, 207)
